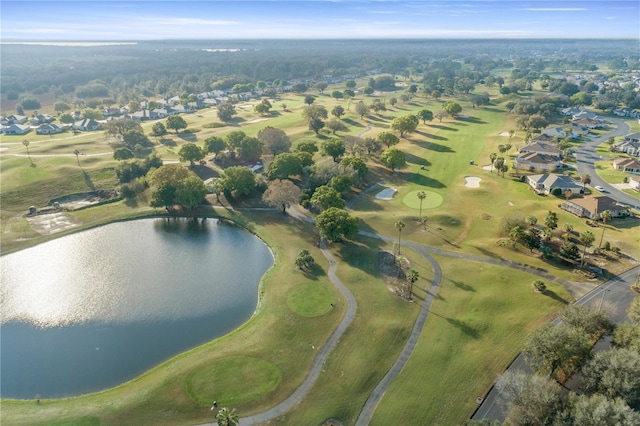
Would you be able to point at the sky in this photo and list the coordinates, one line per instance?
(324, 19)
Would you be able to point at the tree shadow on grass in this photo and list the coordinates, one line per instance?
(443, 127)
(365, 203)
(423, 180)
(414, 159)
(352, 122)
(314, 272)
(168, 142)
(487, 253)
(470, 119)
(188, 136)
(431, 136)
(552, 294)
(465, 328)
(434, 146)
(88, 181)
(463, 286)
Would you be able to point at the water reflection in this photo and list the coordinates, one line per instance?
(150, 277)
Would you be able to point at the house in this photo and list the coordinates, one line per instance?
(592, 207)
(627, 165)
(16, 129)
(541, 148)
(41, 119)
(588, 123)
(634, 183)
(87, 124)
(536, 161)
(13, 119)
(629, 145)
(546, 183)
(49, 129)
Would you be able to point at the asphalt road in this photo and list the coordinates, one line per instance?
(586, 157)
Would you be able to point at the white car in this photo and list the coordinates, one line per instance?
(599, 188)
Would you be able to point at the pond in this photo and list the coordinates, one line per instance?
(94, 309)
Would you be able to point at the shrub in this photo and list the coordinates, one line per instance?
(539, 285)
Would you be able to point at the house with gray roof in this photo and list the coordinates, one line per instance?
(16, 129)
(536, 161)
(541, 148)
(546, 183)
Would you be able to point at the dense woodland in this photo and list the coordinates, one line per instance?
(117, 74)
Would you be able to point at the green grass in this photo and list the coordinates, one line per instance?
(477, 326)
(479, 319)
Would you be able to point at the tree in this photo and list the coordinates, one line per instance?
(350, 84)
(539, 286)
(614, 373)
(551, 220)
(226, 417)
(337, 111)
(250, 149)
(586, 180)
(238, 181)
(26, 144)
(284, 165)
(119, 128)
(67, 118)
(261, 108)
(93, 114)
(335, 224)
(399, 226)
(311, 112)
(214, 144)
(309, 99)
(307, 146)
(190, 192)
(425, 115)
(393, 101)
(226, 111)
(493, 156)
(135, 140)
(393, 158)
(498, 163)
(421, 196)
(320, 86)
(534, 399)
(61, 107)
(634, 310)
(333, 147)
(387, 139)
(304, 259)
(234, 138)
(281, 194)
(570, 251)
(357, 164)
(405, 124)
(326, 197)
(593, 323)
(76, 152)
(362, 109)
(163, 196)
(175, 122)
(597, 410)
(158, 129)
(412, 277)
(452, 108)
(554, 349)
(190, 152)
(586, 238)
(368, 90)
(341, 183)
(605, 216)
(335, 125)
(121, 154)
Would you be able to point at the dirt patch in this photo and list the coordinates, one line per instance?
(52, 223)
(394, 272)
(76, 201)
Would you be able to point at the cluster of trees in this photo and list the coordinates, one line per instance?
(173, 184)
(610, 379)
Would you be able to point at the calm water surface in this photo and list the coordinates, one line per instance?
(94, 309)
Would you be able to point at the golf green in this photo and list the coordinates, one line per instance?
(311, 300)
(431, 201)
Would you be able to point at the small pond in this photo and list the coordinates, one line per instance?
(94, 309)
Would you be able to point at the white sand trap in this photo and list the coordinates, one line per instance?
(256, 120)
(487, 167)
(386, 194)
(472, 182)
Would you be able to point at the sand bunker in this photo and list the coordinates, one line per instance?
(256, 120)
(472, 182)
(386, 194)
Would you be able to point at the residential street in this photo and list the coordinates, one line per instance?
(586, 157)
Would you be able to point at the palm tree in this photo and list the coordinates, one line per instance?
(493, 157)
(412, 277)
(516, 234)
(531, 220)
(226, 417)
(399, 225)
(586, 238)
(77, 153)
(606, 217)
(26, 145)
(511, 134)
(421, 195)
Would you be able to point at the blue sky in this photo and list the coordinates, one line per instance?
(337, 19)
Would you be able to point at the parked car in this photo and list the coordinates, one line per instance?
(599, 188)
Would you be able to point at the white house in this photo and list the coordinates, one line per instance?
(536, 161)
(87, 125)
(16, 129)
(634, 183)
(546, 183)
(541, 148)
(49, 129)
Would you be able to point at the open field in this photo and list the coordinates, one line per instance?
(478, 322)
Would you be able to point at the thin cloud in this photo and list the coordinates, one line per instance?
(555, 9)
(189, 21)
